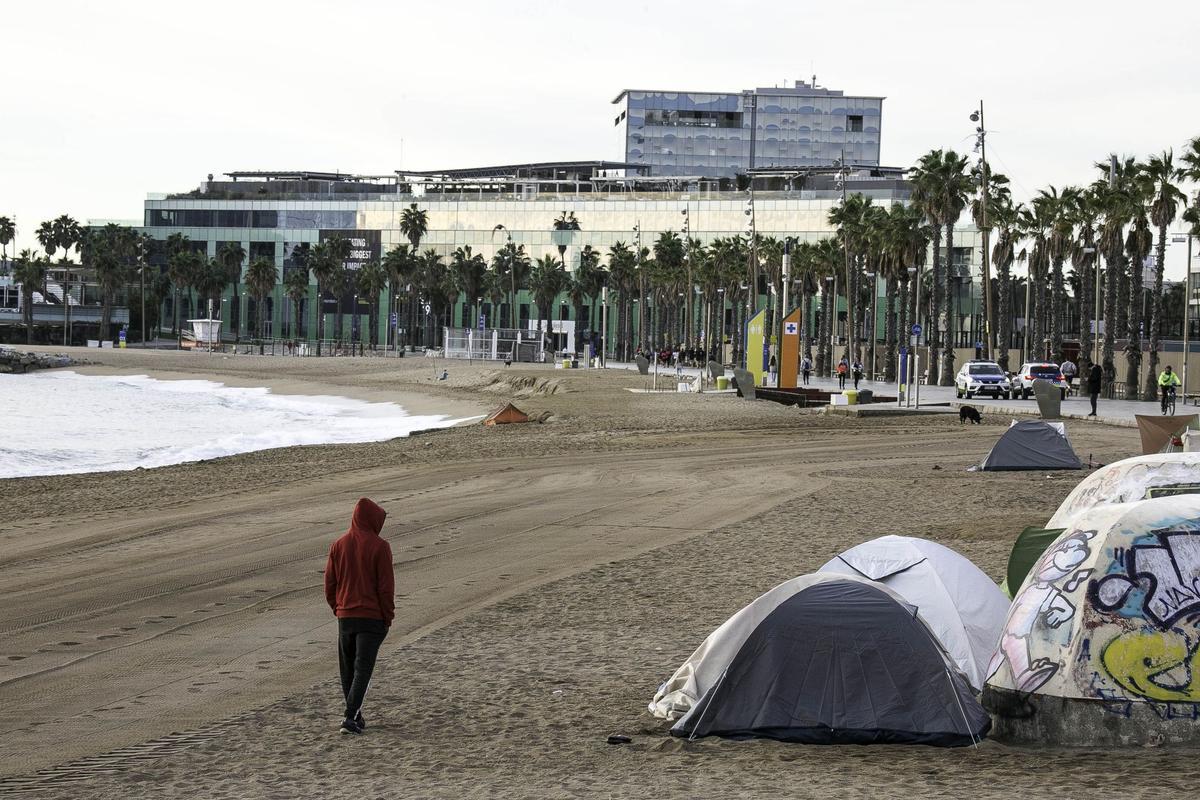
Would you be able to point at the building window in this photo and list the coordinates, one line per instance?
(854, 123)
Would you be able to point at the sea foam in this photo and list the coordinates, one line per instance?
(56, 423)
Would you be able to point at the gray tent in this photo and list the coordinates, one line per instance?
(841, 661)
(1032, 444)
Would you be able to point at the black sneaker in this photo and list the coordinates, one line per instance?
(362, 723)
(350, 726)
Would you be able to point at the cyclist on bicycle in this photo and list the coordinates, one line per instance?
(1167, 381)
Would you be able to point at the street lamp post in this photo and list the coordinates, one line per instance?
(984, 169)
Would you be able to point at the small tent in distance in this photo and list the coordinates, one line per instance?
(1031, 444)
(507, 415)
(824, 659)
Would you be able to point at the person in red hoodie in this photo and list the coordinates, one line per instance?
(360, 588)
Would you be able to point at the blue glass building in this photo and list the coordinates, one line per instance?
(721, 134)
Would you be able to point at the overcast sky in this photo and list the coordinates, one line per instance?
(104, 102)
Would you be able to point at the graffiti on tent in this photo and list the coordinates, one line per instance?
(1043, 600)
(1158, 581)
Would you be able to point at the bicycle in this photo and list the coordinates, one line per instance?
(1168, 401)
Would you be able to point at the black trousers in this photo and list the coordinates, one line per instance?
(1093, 396)
(358, 645)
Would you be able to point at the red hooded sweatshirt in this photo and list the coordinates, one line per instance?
(358, 575)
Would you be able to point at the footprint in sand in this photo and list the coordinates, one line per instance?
(68, 644)
(104, 636)
(16, 658)
(201, 611)
(129, 629)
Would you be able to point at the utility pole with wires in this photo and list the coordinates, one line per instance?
(985, 178)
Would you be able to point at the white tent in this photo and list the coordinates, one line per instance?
(959, 603)
(1127, 480)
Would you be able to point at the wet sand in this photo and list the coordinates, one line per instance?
(164, 634)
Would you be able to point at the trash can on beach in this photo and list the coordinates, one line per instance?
(722, 382)
(851, 397)
(865, 396)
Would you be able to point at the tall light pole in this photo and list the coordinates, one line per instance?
(1187, 308)
(984, 169)
(688, 307)
(840, 183)
(751, 267)
(637, 249)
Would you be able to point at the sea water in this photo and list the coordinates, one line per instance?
(56, 423)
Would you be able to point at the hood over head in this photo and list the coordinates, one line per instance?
(368, 517)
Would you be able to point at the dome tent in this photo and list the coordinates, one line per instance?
(959, 603)
(1101, 644)
(1128, 480)
(824, 659)
(1031, 444)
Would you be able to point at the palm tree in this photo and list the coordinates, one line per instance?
(401, 267)
(1085, 213)
(323, 267)
(434, 284)
(230, 256)
(1138, 243)
(181, 270)
(295, 286)
(341, 278)
(622, 270)
(29, 271)
(108, 253)
(851, 216)
(547, 280)
(1157, 174)
(495, 289)
(467, 270)
(1116, 203)
(1035, 226)
(1055, 209)
(511, 260)
(945, 188)
(564, 225)
(260, 280)
(1006, 217)
(8, 232)
(372, 279)
(414, 224)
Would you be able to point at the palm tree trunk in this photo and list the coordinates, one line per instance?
(946, 374)
(1057, 303)
(889, 322)
(934, 336)
(1086, 305)
(1156, 313)
(1133, 342)
(320, 315)
(1112, 283)
(1004, 321)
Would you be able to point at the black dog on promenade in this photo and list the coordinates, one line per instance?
(968, 413)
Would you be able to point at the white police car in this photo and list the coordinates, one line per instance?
(981, 377)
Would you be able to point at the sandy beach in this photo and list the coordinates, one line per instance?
(164, 632)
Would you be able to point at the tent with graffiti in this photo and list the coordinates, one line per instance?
(824, 659)
(1101, 645)
(1031, 444)
(959, 603)
(1131, 479)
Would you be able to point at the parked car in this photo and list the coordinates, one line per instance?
(981, 377)
(1030, 371)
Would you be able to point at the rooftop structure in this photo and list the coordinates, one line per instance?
(723, 134)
